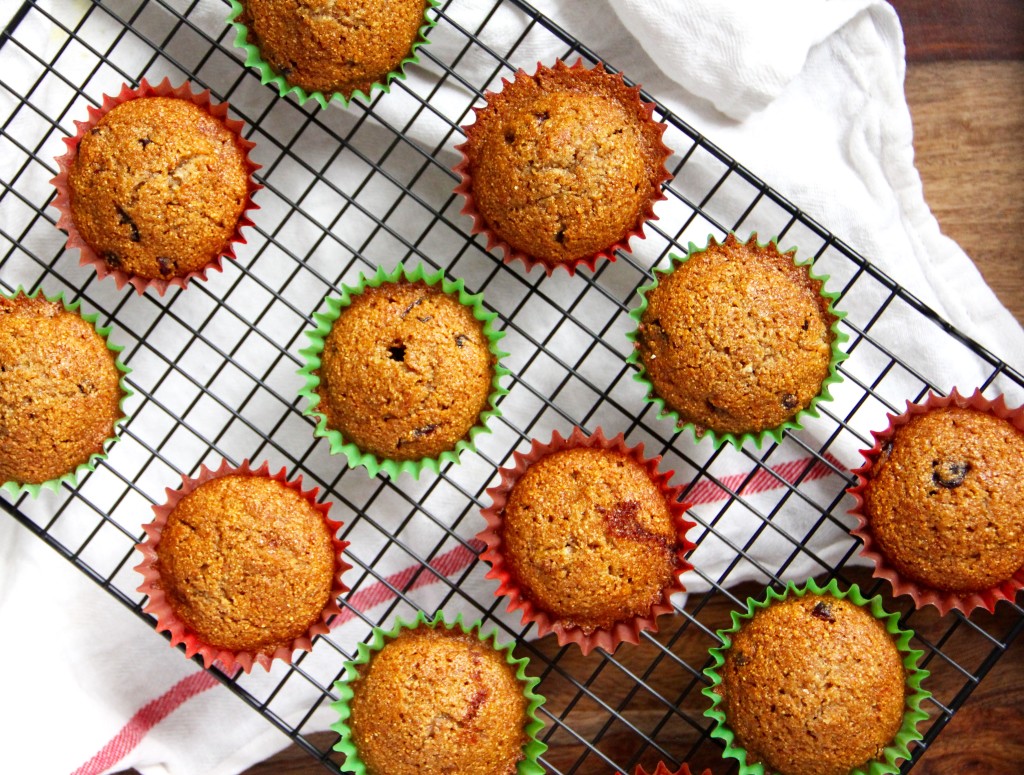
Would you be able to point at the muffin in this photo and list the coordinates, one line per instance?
(815, 682)
(941, 501)
(338, 49)
(737, 340)
(60, 391)
(433, 698)
(403, 370)
(242, 566)
(562, 167)
(155, 186)
(588, 539)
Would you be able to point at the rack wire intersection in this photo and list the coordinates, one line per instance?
(214, 368)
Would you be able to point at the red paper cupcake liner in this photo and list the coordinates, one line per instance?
(167, 620)
(62, 200)
(645, 111)
(662, 769)
(627, 631)
(921, 594)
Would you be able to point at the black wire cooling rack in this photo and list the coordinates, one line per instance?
(346, 190)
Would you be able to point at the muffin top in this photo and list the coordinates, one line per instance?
(565, 163)
(405, 372)
(342, 46)
(247, 563)
(589, 537)
(158, 186)
(59, 390)
(813, 685)
(736, 339)
(435, 701)
(945, 499)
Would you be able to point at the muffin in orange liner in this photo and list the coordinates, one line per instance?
(141, 168)
(662, 769)
(587, 538)
(562, 167)
(939, 502)
(301, 553)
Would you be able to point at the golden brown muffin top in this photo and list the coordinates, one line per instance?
(945, 499)
(157, 187)
(589, 537)
(405, 372)
(813, 685)
(59, 390)
(340, 46)
(737, 339)
(247, 563)
(436, 701)
(564, 163)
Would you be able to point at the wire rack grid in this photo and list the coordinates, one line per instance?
(214, 367)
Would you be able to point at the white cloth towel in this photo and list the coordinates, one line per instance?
(808, 94)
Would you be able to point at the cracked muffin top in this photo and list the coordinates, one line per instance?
(157, 187)
(60, 390)
(589, 537)
(813, 685)
(341, 46)
(247, 563)
(566, 163)
(945, 499)
(435, 701)
(737, 338)
(405, 372)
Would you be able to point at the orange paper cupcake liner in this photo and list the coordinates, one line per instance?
(921, 594)
(645, 112)
(167, 620)
(627, 631)
(62, 200)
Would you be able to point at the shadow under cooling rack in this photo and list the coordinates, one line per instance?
(214, 367)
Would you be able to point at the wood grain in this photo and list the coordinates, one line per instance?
(969, 148)
(962, 29)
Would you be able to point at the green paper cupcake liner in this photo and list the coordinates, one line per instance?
(913, 715)
(325, 320)
(14, 489)
(533, 748)
(253, 58)
(737, 440)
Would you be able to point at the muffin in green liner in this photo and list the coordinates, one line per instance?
(431, 690)
(62, 392)
(737, 341)
(372, 44)
(403, 371)
(801, 678)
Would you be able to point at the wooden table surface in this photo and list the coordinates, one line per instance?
(965, 88)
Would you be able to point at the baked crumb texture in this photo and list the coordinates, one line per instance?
(815, 681)
(940, 502)
(403, 371)
(60, 391)
(736, 340)
(243, 566)
(435, 700)
(155, 187)
(563, 166)
(338, 49)
(588, 539)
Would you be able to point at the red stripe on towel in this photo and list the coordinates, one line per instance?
(147, 717)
